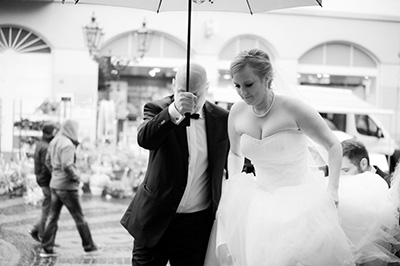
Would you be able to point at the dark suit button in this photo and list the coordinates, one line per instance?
(174, 208)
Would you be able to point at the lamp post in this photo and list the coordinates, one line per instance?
(93, 36)
(142, 37)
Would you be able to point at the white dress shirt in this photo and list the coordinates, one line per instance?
(197, 193)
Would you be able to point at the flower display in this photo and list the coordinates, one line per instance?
(13, 176)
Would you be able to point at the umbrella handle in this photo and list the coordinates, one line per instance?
(187, 115)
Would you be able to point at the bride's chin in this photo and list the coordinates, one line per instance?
(247, 100)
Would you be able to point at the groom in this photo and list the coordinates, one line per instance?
(172, 213)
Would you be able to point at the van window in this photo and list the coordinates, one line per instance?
(366, 126)
(335, 121)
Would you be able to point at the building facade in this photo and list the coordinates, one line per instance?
(43, 56)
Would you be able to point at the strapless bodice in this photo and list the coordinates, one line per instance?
(279, 159)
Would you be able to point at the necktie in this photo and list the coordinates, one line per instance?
(195, 116)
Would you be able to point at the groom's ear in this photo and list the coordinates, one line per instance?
(364, 165)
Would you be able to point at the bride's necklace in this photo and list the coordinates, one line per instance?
(269, 108)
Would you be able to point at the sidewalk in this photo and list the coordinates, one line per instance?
(17, 248)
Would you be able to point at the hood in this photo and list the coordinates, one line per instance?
(70, 129)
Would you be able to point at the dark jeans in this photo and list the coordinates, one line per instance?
(41, 222)
(184, 243)
(69, 198)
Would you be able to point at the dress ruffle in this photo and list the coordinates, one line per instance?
(293, 225)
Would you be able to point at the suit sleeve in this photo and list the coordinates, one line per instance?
(156, 127)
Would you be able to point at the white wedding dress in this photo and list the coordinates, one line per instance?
(281, 217)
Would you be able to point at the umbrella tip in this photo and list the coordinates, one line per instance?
(319, 2)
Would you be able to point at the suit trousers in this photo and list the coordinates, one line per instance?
(184, 242)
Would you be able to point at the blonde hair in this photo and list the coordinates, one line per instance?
(258, 60)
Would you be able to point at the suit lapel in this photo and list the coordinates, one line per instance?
(210, 127)
(181, 135)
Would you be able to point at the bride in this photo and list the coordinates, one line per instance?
(285, 215)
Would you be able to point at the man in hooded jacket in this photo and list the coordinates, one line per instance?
(64, 187)
(43, 175)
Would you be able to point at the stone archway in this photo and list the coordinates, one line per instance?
(25, 79)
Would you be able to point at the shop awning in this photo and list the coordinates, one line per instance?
(337, 100)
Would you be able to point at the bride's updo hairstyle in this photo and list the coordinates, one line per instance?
(258, 60)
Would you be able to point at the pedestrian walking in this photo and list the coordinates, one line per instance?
(64, 187)
(43, 175)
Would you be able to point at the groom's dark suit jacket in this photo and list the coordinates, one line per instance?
(158, 197)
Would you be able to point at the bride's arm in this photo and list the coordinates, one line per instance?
(312, 124)
(235, 158)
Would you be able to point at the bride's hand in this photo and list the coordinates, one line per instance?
(225, 258)
(334, 195)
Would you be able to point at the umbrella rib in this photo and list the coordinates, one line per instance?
(159, 6)
(248, 5)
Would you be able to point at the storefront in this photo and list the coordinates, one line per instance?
(324, 46)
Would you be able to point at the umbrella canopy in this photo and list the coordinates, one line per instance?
(251, 6)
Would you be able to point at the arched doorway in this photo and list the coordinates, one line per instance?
(132, 81)
(25, 79)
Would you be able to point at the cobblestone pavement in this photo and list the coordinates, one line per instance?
(17, 248)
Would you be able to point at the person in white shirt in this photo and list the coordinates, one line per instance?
(356, 160)
(368, 208)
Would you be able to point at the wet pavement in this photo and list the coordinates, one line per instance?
(17, 248)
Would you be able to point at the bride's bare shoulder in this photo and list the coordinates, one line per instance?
(290, 102)
(238, 107)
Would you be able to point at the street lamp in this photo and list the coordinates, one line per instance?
(93, 36)
(142, 37)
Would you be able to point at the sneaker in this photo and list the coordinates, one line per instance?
(47, 254)
(34, 234)
(94, 248)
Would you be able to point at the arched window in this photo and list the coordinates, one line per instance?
(340, 65)
(21, 41)
(241, 43)
(337, 54)
(160, 46)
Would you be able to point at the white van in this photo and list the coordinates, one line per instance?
(346, 112)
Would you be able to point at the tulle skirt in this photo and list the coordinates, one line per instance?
(369, 217)
(290, 225)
